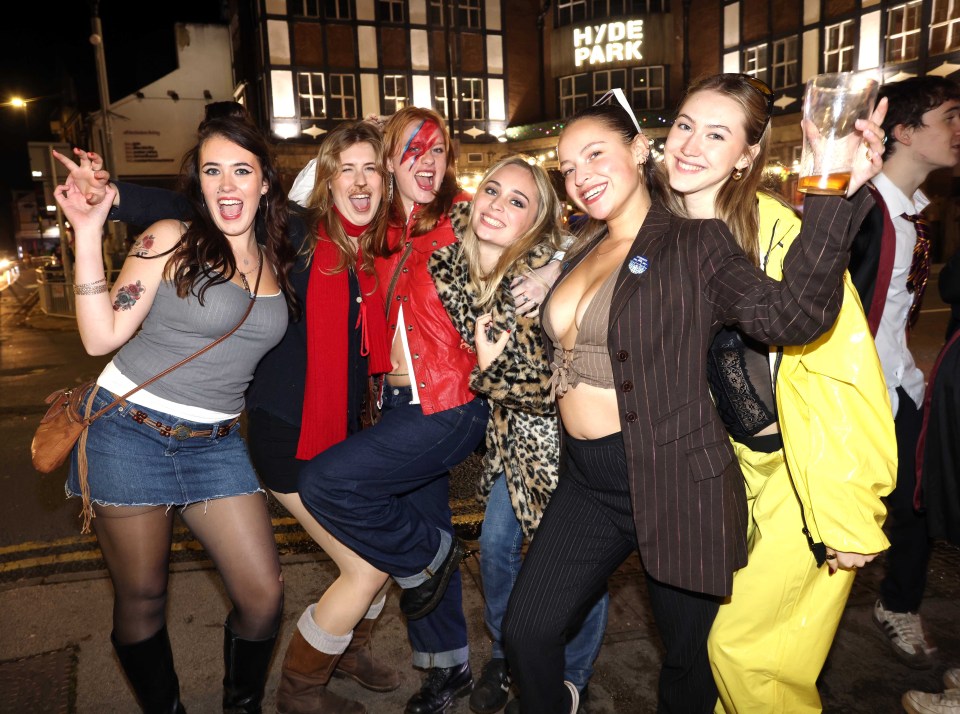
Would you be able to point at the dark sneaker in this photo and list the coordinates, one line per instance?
(904, 630)
(421, 600)
(514, 706)
(440, 687)
(490, 692)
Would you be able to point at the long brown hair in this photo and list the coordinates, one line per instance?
(546, 228)
(736, 201)
(395, 135)
(204, 254)
(320, 203)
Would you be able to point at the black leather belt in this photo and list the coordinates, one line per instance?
(181, 432)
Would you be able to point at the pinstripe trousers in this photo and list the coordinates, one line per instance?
(586, 533)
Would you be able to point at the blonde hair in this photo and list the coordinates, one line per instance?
(320, 204)
(546, 229)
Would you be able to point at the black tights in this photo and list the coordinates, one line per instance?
(237, 534)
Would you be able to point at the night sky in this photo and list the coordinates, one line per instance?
(48, 55)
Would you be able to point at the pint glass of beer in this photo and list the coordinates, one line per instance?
(831, 105)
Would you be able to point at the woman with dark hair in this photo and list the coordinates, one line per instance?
(810, 425)
(309, 391)
(645, 462)
(177, 442)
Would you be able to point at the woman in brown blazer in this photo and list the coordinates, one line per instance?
(645, 460)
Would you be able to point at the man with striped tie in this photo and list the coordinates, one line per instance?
(889, 263)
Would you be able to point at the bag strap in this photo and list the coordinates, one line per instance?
(396, 274)
(168, 370)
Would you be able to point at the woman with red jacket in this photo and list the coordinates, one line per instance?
(384, 491)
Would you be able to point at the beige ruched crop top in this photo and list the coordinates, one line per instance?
(589, 361)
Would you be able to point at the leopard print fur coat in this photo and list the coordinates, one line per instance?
(522, 436)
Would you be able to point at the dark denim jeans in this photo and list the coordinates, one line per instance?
(384, 493)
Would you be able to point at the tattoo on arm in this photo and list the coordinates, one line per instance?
(128, 295)
(142, 246)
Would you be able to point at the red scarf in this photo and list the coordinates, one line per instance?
(327, 310)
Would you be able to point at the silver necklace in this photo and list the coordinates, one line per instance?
(243, 275)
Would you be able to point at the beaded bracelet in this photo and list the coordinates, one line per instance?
(94, 288)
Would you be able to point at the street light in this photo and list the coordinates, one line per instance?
(21, 103)
(24, 104)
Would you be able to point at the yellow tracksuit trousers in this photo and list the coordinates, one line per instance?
(769, 642)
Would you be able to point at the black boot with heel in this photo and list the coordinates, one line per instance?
(149, 669)
(246, 666)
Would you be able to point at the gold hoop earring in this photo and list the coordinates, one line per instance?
(737, 174)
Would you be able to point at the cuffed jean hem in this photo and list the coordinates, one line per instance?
(411, 581)
(450, 658)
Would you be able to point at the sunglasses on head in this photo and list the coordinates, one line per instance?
(758, 84)
(616, 95)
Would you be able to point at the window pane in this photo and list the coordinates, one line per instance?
(342, 97)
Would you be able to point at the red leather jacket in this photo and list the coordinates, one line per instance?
(441, 360)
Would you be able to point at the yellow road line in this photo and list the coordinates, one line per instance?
(93, 554)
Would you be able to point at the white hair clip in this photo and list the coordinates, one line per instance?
(617, 93)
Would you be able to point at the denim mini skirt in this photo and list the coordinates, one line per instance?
(133, 463)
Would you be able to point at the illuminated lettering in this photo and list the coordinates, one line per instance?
(609, 42)
(582, 37)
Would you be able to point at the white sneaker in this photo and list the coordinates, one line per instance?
(926, 703)
(574, 696)
(951, 678)
(904, 630)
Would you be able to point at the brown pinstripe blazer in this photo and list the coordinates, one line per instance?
(689, 502)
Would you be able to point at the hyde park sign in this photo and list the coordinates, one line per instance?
(627, 42)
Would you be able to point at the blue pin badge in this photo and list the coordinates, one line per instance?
(638, 264)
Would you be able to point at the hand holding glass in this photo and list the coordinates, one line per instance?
(832, 104)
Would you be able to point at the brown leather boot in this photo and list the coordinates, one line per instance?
(358, 662)
(303, 682)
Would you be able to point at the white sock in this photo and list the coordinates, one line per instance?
(319, 638)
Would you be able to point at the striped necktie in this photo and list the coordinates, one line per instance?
(920, 265)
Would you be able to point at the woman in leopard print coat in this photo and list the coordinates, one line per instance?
(514, 228)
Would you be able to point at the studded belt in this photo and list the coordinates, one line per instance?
(181, 432)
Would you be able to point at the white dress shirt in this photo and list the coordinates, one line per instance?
(899, 368)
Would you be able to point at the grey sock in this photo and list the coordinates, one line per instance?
(319, 638)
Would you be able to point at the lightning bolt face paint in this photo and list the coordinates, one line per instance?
(421, 164)
(420, 142)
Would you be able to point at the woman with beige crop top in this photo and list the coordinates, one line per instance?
(645, 461)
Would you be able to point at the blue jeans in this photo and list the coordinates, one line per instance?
(500, 543)
(384, 493)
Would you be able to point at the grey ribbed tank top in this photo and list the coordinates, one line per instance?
(177, 327)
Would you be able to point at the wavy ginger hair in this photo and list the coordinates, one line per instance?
(396, 133)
